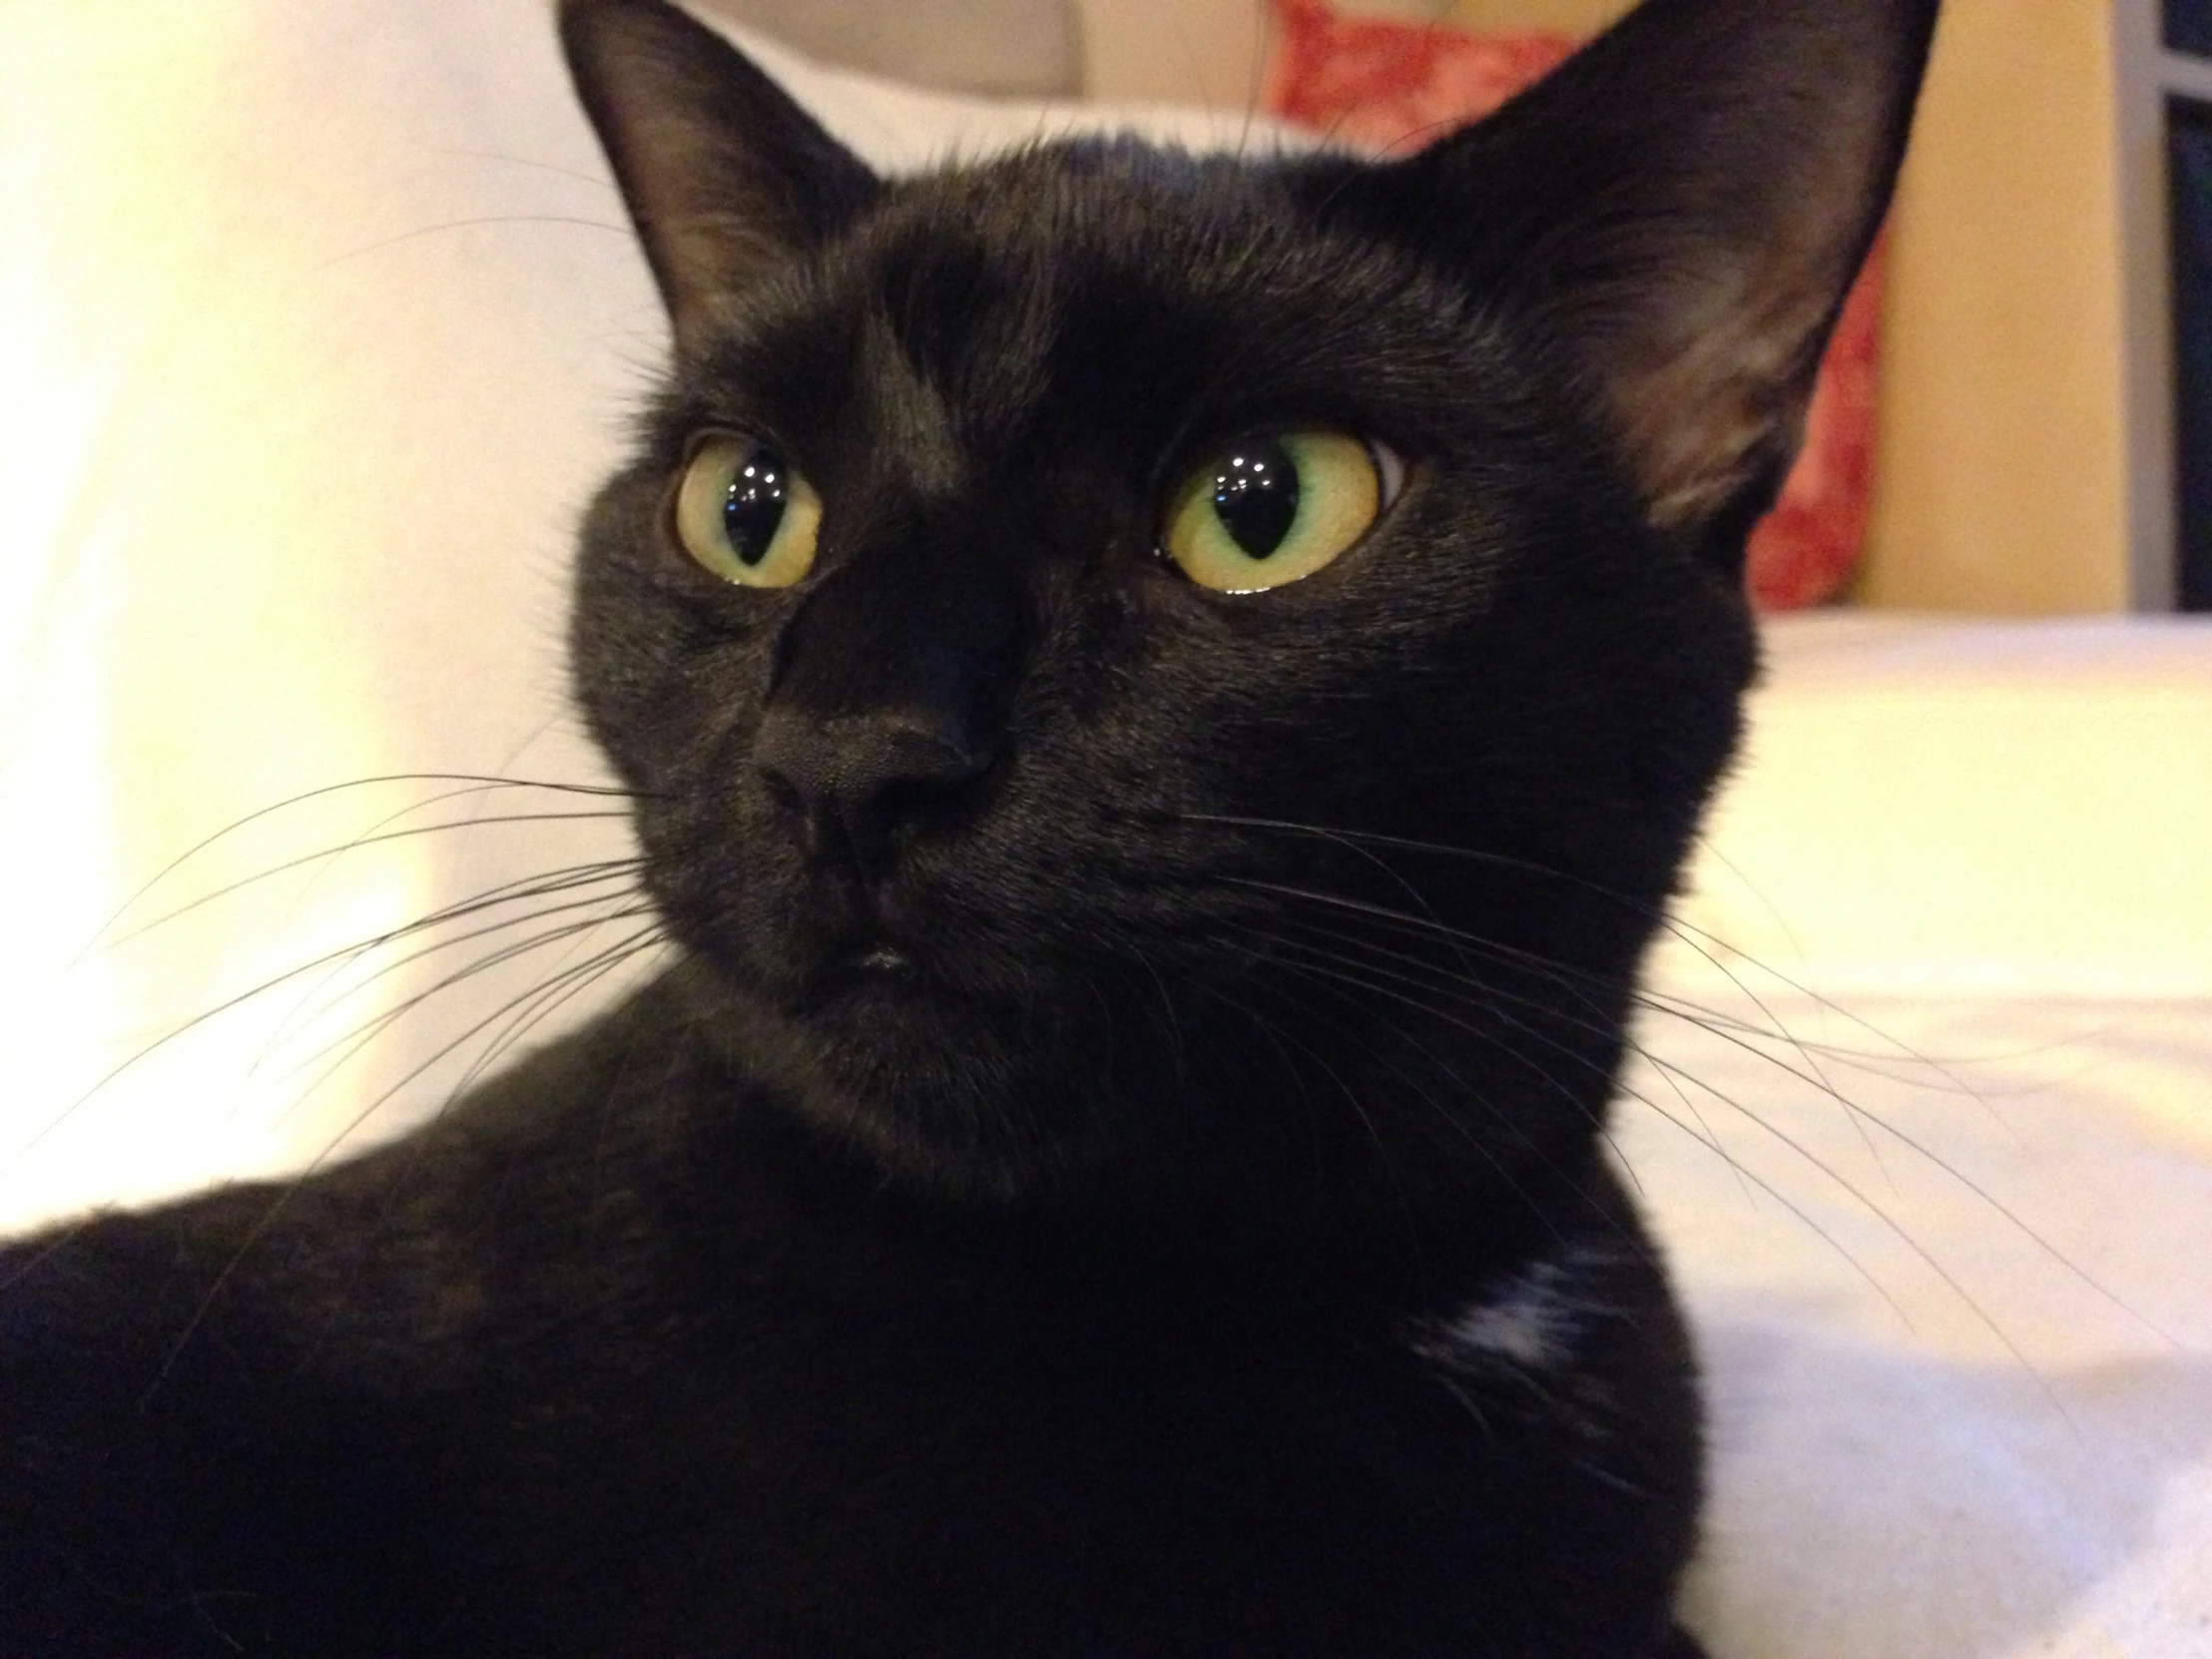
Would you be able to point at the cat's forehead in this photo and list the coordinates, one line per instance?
(1106, 285)
(1064, 215)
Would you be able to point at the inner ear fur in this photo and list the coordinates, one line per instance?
(1682, 208)
(724, 176)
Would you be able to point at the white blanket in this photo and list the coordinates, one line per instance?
(1958, 1324)
(318, 325)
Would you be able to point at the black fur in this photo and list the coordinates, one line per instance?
(1089, 1280)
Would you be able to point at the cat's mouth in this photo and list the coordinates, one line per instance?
(872, 964)
(883, 960)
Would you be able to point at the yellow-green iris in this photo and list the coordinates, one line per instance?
(1271, 509)
(746, 515)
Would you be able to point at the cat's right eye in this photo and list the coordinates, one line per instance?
(746, 515)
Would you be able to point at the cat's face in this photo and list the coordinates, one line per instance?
(1034, 770)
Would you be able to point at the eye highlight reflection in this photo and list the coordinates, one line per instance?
(746, 515)
(1274, 508)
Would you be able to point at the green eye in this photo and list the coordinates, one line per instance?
(1271, 509)
(746, 515)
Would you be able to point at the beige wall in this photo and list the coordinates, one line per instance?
(2004, 444)
(2003, 467)
(1173, 51)
(1209, 51)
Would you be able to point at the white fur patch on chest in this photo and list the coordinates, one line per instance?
(1529, 1322)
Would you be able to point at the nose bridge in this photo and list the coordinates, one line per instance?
(924, 627)
(890, 690)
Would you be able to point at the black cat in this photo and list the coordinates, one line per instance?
(1164, 698)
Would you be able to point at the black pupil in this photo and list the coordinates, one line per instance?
(1256, 495)
(755, 505)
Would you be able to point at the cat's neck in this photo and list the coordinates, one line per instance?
(746, 1158)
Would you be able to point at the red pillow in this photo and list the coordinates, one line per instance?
(1391, 86)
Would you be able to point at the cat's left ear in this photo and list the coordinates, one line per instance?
(1680, 209)
(726, 177)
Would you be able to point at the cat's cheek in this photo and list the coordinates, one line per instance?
(733, 901)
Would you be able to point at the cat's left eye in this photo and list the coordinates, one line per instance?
(1274, 508)
(746, 515)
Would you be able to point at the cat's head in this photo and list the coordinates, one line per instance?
(1162, 667)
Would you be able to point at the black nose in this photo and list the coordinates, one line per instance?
(861, 780)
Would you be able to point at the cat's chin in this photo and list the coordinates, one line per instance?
(941, 1090)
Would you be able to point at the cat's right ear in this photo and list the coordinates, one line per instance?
(726, 177)
(1678, 212)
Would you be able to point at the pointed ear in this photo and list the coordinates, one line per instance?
(724, 176)
(1682, 207)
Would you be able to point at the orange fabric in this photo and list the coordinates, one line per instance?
(1391, 86)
